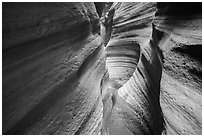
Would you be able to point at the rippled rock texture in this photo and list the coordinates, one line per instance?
(58, 77)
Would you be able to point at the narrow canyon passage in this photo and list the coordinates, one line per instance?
(67, 70)
(119, 63)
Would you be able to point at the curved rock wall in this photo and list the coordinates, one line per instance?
(180, 30)
(123, 50)
(58, 78)
(137, 108)
(50, 60)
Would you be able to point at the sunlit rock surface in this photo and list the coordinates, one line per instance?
(58, 78)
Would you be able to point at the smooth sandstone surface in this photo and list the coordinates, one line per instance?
(58, 78)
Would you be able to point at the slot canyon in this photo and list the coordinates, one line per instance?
(110, 68)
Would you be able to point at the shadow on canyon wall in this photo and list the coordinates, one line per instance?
(56, 72)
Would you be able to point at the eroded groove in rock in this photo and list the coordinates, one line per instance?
(123, 50)
(143, 94)
(58, 78)
(136, 109)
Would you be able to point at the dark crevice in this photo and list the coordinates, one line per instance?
(196, 72)
(179, 9)
(99, 7)
(194, 51)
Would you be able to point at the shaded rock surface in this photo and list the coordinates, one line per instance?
(51, 59)
(181, 85)
(58, 78)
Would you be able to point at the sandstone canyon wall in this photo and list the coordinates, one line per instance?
(59, 78)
